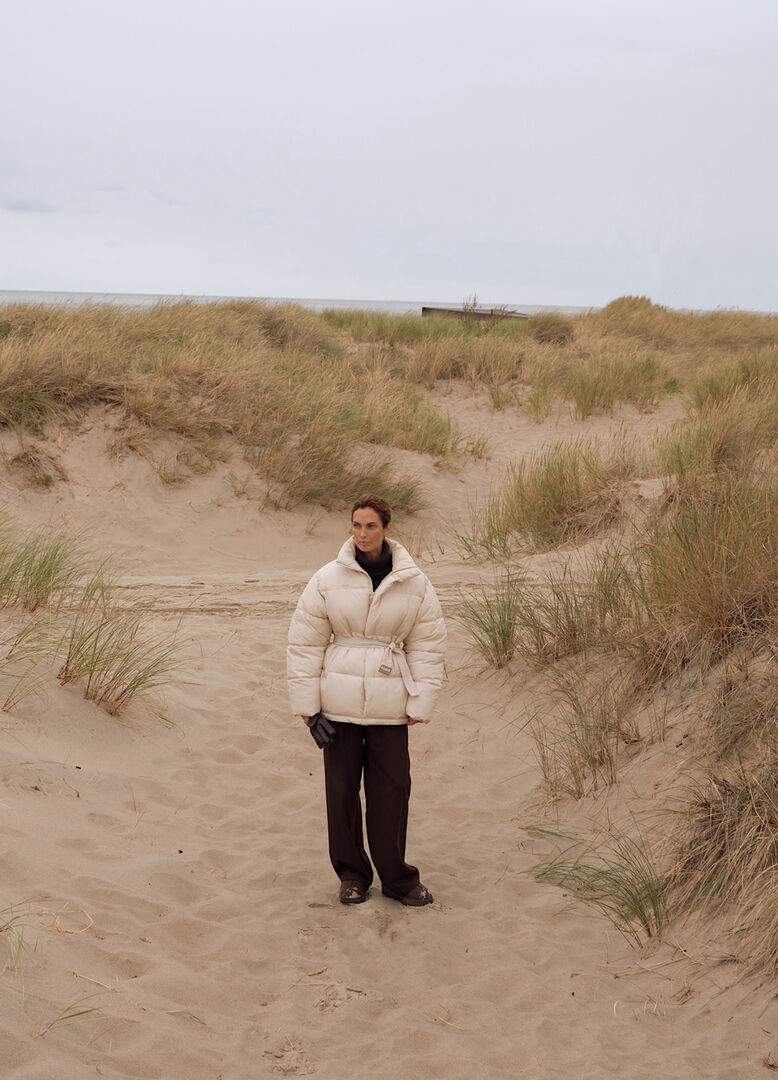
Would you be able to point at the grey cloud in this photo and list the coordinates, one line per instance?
(29, 206)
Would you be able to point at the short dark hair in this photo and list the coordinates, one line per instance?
(374, 502)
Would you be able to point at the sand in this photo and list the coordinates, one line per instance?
(169, 866)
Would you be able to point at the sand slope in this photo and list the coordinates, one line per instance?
(170, 866)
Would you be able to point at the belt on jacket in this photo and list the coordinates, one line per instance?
(391, 649)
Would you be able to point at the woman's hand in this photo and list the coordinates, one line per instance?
(305, 720)
(410, 721)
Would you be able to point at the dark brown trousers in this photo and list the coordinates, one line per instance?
(381, 752)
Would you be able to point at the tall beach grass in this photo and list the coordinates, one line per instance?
(562, 494)
(59, 596)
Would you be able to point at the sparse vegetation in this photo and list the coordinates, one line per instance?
(115, 655)
(12, 935)
(111, 651)
(492, 617)
(620, 879)
(565, 493)
(639, 380)
(561, 615)
(592, 715)
(39, 568)
(743, 715)
(728, 859)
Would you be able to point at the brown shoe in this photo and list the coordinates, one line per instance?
(353, 892)
(419, 896)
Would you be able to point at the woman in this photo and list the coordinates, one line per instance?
(366, 648)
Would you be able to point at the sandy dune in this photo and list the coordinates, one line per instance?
(170, 866)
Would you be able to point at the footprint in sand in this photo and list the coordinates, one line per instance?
(288, 1058)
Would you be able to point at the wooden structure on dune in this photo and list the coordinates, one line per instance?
(475, 312)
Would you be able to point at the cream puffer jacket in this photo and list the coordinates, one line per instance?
(364, 657)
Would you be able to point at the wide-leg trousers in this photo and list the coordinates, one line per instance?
(379, 752)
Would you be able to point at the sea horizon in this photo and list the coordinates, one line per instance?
(144, 300)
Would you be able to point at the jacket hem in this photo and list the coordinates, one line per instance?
(363, 721)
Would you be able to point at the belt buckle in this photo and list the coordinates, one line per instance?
(385, 669)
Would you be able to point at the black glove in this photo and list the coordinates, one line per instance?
(321, 729)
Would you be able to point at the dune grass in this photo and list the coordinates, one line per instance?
(725, 433)
(375, 326)
(22, 658)
(537, 401)
(41, 567)
(562, 614)
(301, 392)
(742, 718)
(701, 580)
(275, 378)
(619, 878)
(592, 716)
(639, 380)
(12, 935)
(63, 596)
(115, 656)
(686, 588)
(492, 616)
(637, 318)
(478, 359)
(551, 327)
(707, 573)
(727, 859)
(565, 493)
(755, 370)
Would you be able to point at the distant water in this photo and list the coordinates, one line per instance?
(144, 300)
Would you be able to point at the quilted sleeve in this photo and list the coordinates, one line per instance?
(425, 648)
(309, 635)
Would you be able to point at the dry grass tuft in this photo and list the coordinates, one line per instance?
(113, 652)
(640, 380)
(562, 494)
(707, 577)
(551, 328)
(38, 466)
(115, 656)
(619, 878)
(728, 860)
(40, 568)
(593, 715)
(728, 433)
(492, 616)
(561, 615)
(743, 715)
(12, 925)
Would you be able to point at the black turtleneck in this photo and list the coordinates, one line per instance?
(377, 568)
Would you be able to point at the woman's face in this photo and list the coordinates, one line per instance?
(368, 531)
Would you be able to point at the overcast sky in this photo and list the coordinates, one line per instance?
(554, 152)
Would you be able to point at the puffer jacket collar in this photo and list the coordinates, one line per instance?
(403, 565)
